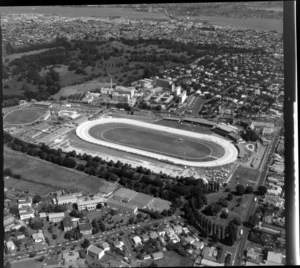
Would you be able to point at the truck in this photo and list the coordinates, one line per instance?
(241, 232)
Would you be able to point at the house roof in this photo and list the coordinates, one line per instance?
(137, 239)
(56, 215)
(157, 255)
(38, 236)
(274, 257)
(85, 227)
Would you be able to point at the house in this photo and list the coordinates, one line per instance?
(10, 245)
(29, 244)
(177, 229)
(43, 215)
(70, 258)
(20, 237)
(106, 246)
(210, 253)
(67, 224)
(146, 257)
(26, 214)
(86, 228)
(38, 237)
(118, 244)
(157, 255)
(8, 220)
(95, 252)
(189, 239)
(161, 231)
(162, 240)
(153, 235)
(145, 237)
(24, 202)
(137, 240)
(169, 230)
(56, 217)
(198, 245)
(185, 230)
(75, 221)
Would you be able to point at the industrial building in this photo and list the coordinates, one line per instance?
(121, 205)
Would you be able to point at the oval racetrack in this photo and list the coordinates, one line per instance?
(163, 143)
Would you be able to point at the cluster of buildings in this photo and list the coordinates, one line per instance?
(38, 28)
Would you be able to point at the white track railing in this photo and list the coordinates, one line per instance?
(229, 156)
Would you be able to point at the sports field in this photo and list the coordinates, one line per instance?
(157, 141)
(23, 116)
(41, 171)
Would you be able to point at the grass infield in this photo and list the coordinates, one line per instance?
(23, 116)
(157, 141)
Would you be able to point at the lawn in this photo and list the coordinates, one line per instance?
(41, 171)
(23, 116)
(172, 259)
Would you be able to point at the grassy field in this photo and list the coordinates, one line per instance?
(172, 259)
(245, 176)
(28, 263)
(38, 170)
(156, 141)
(31, 187)
(23, 116)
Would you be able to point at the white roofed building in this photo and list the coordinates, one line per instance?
(56, 217)
(66, 199)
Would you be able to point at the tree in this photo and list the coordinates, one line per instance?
(229, 197)
(85, 243)
(240, 189)
(7, 172)
(253, 220)
(36, 224)
(82, 253)
(223, 202)
(237, 221)
(249, 190)
(68, 235)
(36, 199)
(261, 190)
(7, 265)
(224, 215)
(215, 238)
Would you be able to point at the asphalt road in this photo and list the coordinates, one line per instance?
(241, 246)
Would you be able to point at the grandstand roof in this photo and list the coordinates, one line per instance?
(172, 118)
(224, 128)
(199, 121)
